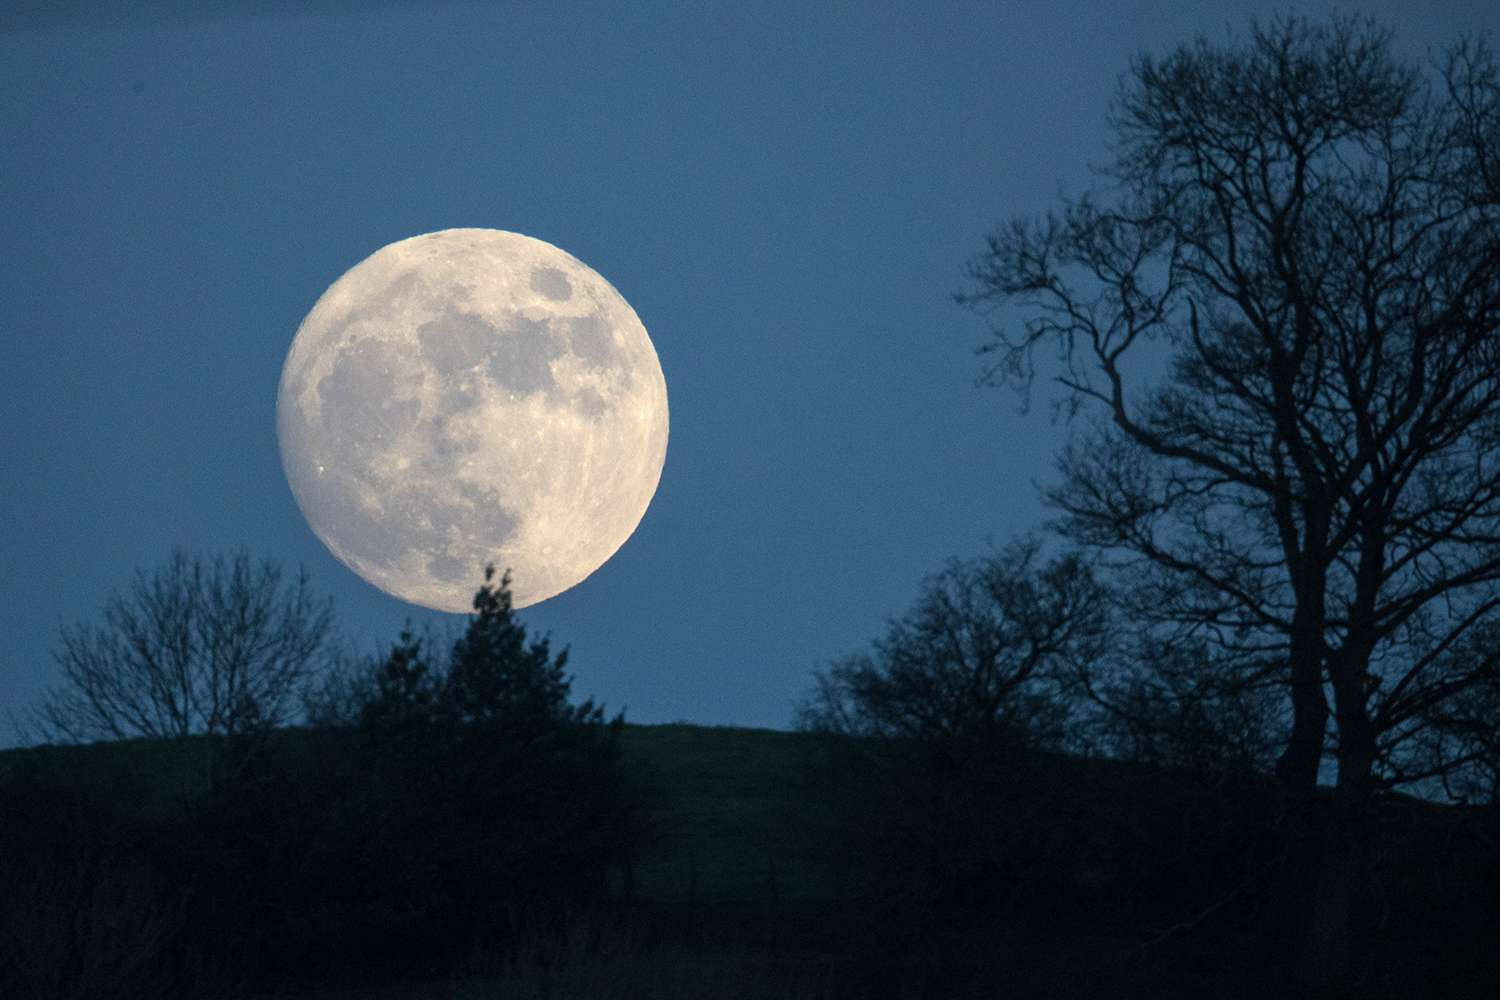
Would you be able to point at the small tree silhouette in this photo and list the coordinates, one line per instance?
(929, 761)
(978, 662)
(497, 677)
(405, 690)
(203, 645)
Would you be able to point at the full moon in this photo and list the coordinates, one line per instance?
(472, 397)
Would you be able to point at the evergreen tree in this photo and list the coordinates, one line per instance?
(405, 689)
(497, 677)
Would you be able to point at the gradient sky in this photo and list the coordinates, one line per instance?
(787, 195)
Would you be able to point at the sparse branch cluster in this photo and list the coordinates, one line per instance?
(979, 661)
(215, 646)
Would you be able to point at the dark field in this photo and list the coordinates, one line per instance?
(764, 865)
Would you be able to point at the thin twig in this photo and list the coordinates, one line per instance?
(1188, 925)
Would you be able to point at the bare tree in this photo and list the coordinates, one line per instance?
(1311, 232)
(216, 646)
(928, 769)
(978, 661)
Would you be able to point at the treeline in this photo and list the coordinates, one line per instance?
(1013, 751)
(983, 791)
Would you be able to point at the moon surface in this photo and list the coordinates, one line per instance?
(467, 397)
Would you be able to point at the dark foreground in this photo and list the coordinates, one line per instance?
(739, 864)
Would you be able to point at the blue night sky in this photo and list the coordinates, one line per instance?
(786, 194)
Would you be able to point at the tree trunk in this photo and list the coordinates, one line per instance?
(1297, 767)
(1301, 822)
(1332, 934)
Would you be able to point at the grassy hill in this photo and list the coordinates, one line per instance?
(720, 798)
(721, 802)
(726, 808)
(732, 896)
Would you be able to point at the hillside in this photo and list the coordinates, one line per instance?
(769, 871)
(719, 798)
(728, 799)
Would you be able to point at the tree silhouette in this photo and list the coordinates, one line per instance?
(1311, 232)
(216, 646)
(529, 784)
(404, 689)
(977, 661)
(454, 797)
(495, 676)
(928, 752)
